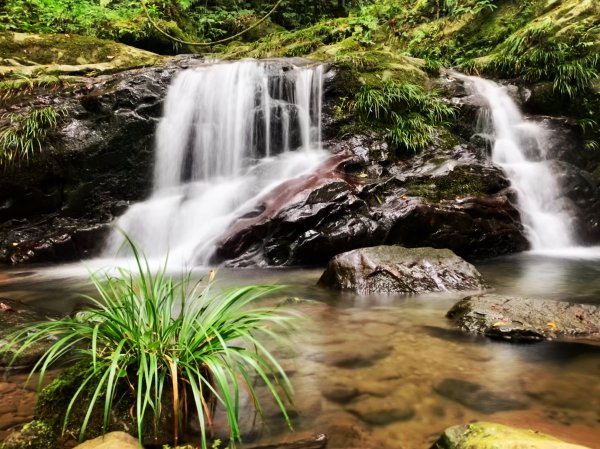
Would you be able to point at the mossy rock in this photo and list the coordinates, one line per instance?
(485, 435)
(34, 435)
(33, 54)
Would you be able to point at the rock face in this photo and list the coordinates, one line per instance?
(517, 319)
(444, 197)
(99, 160)
(484, 435)
(394, 269)
(96, 162)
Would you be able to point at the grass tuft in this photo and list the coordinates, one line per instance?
(159, 338)
(22, 135)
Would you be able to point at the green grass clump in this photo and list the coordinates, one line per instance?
(22, 135)
(408, 112)
(157, 337)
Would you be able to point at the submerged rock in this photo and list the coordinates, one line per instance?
(395, 269)
(485, 435)
(525, 319)
(476, 397)
(14, 315)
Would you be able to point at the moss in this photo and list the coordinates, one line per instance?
(46, 49)
(458, 183)
(34, 435)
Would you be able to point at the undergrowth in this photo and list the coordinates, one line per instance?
(408, 113)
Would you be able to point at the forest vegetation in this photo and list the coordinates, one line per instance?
(388, 48)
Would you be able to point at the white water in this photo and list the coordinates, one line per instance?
(227, 137)
(519, 147)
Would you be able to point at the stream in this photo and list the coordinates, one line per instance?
(390, 371)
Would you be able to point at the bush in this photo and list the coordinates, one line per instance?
(160, 338)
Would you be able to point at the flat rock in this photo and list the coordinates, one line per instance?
(395, 269)
(485, 435)
(112, 440)
(525, 319)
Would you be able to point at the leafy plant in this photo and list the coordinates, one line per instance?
(408, 112)
(150, 334)
(22, 134)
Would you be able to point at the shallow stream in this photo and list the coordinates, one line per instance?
(390, 371)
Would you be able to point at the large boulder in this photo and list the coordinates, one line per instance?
(98, 160)
(394, 269)
(485, 435)
(520, 318)
(444, 197)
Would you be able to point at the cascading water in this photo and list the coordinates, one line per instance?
(518, 146)
(226, 138)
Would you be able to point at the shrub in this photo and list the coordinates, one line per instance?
(150, 334)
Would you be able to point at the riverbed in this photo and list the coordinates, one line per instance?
(391, 371)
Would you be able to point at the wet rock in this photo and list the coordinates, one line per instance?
(13, 315)
(112, 440)
(99, 158)
(394, 269)
(525, 319)
(477, 398)
(446, 196)
(485, 435)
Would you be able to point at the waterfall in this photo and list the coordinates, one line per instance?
(229, 134)
(519, 147)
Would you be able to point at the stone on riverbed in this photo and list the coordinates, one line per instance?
(525, 319)
(395, 269)
(484, 435)
(13, 315)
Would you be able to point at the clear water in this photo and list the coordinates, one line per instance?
(391, 355)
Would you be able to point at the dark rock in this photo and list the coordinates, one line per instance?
(394, 269)
(56, 207)
(477, 398)
(485, 435)
(518, 319)
(444, 197)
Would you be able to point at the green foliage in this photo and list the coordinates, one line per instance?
(158, 337)
(409, 113)
(22, 135)
(538, 53)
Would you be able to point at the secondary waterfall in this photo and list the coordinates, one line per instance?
(519, 147)
(226, 138)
